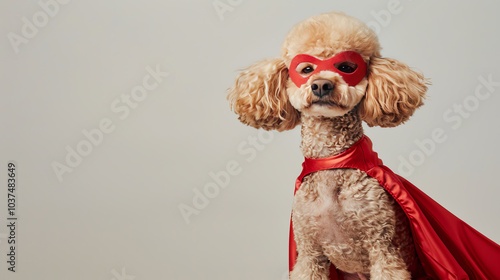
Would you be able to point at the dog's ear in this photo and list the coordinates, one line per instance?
(259, 96)
(394, 92)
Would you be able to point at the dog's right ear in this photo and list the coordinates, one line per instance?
(259, 96)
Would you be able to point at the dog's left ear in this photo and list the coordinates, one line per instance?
(394, 92)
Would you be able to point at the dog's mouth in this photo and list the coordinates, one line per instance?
(328, 103)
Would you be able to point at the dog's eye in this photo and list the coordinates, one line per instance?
(307, 70)
(346, 66)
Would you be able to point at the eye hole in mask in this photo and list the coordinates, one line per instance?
(346, 66)
(305, 68)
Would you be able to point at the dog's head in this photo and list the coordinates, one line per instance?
(330, 65)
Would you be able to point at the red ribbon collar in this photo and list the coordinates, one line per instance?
(359, 156)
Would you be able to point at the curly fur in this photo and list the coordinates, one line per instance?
(259, 96)
(394, 92)
(340, 216)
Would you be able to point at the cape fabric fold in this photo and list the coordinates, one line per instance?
(447, 247)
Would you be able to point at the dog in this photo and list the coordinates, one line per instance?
(331, 77)
(337, 214)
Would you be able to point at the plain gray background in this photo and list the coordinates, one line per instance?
(117, 214)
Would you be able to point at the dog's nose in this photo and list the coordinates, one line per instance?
(322, 87)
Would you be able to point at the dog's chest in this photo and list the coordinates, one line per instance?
(328, 201)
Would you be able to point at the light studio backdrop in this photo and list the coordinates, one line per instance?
(129, 164)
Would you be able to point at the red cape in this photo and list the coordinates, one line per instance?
(447, 247)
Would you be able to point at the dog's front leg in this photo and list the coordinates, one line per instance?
(311, 263)
(387, 264)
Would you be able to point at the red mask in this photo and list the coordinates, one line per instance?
(350, 65)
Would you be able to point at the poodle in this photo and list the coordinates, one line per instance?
(329, 79)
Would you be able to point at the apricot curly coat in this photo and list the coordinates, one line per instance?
(340, 216)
